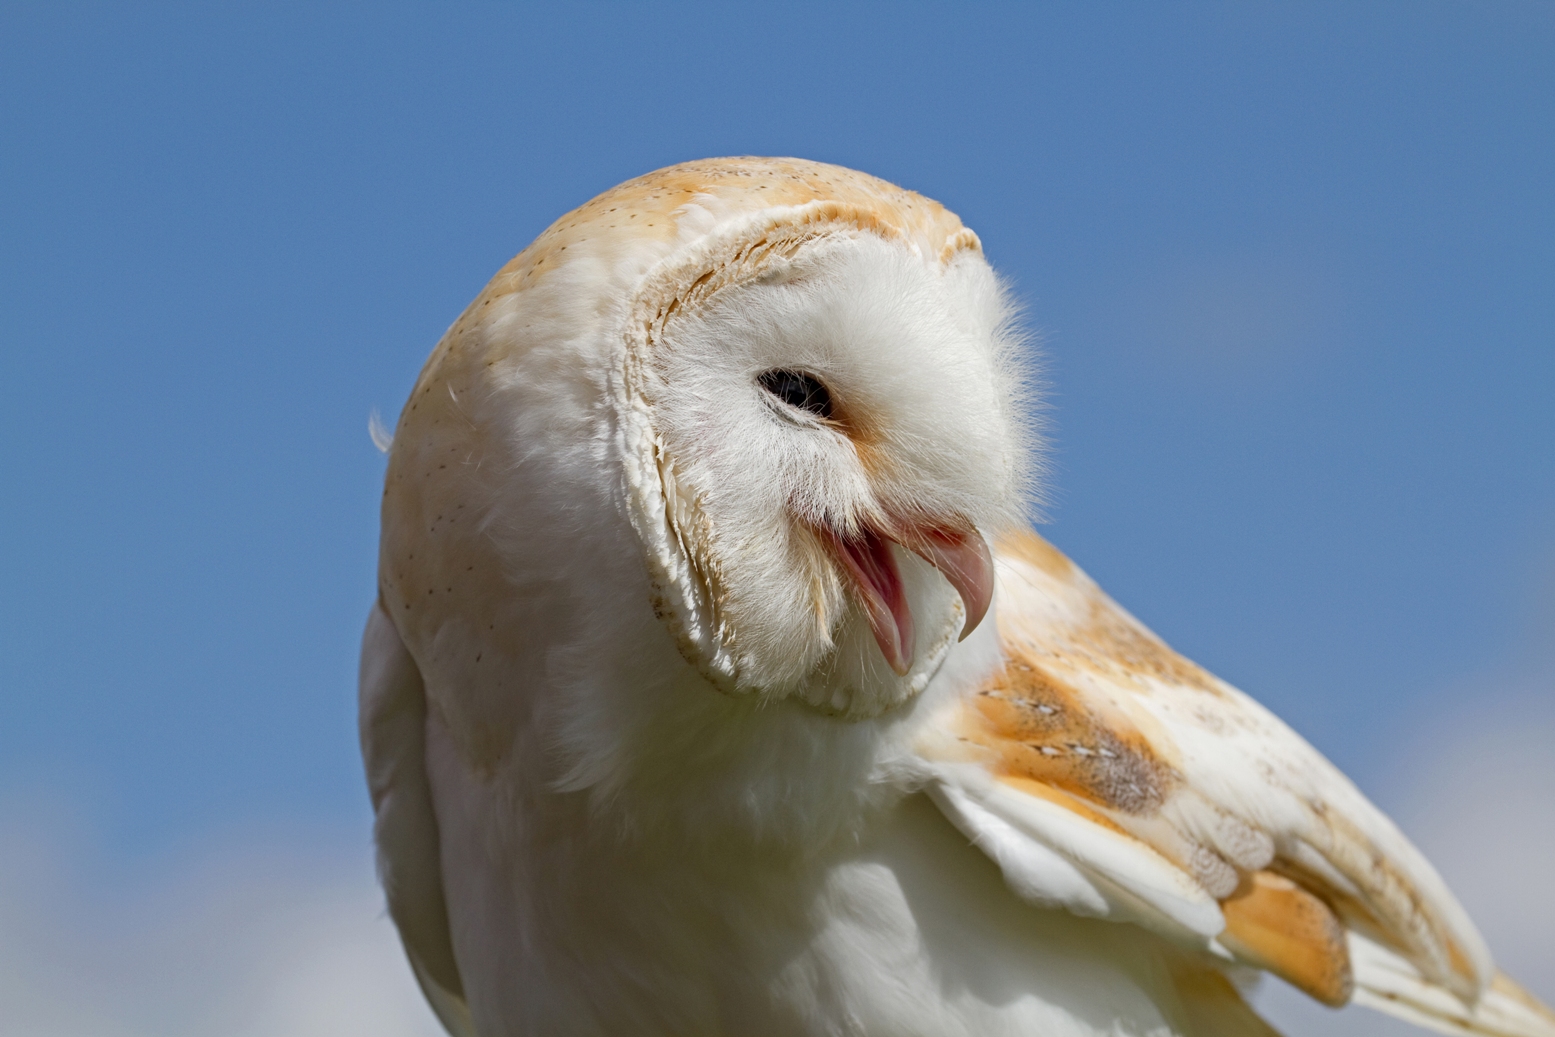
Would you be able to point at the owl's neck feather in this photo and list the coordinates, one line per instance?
(663, 756)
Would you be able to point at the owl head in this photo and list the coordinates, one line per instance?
(796, 383)
(820, 432)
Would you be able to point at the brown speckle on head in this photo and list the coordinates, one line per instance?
(653, 204)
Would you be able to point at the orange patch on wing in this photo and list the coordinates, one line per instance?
(1279, 926)
(1063, 799)
(1394, 910)
(1113, 636)
(1041, 730)
(1105, 638)
(1030, 548)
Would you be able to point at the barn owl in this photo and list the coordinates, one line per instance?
(716, 687)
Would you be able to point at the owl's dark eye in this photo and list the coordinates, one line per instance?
(798, 389)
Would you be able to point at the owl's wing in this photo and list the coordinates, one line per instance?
(393, 713)
(1111, 777)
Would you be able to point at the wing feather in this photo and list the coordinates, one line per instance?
(1280, 927)
(1108, 775)
(393, 732)
(1389, 982)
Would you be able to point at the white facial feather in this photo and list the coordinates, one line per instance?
(917, 361)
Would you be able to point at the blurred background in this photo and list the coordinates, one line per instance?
(1292, 267)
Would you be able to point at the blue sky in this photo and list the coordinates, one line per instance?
(1293, 268)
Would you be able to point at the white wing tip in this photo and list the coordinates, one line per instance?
(382, 438)
(1387, 982)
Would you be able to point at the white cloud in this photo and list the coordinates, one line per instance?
(261, 939)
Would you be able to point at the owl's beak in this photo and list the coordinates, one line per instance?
(961, 556)
(964, 559)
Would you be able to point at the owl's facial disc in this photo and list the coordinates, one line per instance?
(816, 449)
(962, 557)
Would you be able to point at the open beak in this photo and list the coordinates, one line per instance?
(961, 556)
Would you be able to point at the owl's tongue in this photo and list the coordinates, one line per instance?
(963, 559)
(868, 559)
